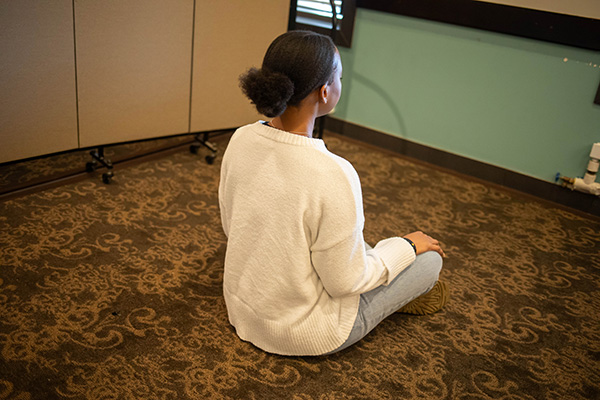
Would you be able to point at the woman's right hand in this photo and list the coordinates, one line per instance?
(425, 243)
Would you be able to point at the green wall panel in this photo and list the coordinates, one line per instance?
(516, 103)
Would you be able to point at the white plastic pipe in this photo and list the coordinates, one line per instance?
(591, 188)
(588, 184)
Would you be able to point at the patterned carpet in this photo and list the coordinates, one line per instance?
(114, 292)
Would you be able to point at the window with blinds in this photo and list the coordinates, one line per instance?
(319, 13)
(319, 16)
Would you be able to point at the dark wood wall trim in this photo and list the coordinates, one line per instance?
(542, 190)
(541, 25)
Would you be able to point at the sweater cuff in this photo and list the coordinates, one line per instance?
(396, 254)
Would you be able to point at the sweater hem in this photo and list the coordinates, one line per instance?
(316, 334)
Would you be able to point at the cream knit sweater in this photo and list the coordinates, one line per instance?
(296, 261)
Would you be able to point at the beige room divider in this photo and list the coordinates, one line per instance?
(239, 32)
(86, 73)
(38, 109)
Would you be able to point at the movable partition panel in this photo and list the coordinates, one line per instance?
(86, 73)
(239, 32)
(133, 68)
(38, 110)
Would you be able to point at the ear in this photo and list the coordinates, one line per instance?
(323, 93)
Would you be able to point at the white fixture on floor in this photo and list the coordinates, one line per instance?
(588, 184)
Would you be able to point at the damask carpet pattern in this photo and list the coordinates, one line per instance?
(114, 292)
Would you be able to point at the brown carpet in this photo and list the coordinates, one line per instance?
(114, 292)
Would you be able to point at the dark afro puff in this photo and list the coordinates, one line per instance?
(269, 91)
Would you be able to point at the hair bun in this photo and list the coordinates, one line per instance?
(268, 90)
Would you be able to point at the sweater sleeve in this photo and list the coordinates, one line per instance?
(338, 252)
(222, 189)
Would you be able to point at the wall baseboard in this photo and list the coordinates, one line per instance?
(542, 190)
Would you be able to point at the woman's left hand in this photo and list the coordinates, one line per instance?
(425, 243)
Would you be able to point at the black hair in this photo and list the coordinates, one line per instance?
(295, 64)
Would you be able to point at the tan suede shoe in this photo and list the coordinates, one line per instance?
(429, 302)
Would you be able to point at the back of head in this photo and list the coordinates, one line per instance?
(296, 63)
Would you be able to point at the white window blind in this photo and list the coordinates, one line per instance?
(318, 13)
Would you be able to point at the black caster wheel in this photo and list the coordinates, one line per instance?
(107, 177)
(194, 149)
(210, 159)
(91, 166)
